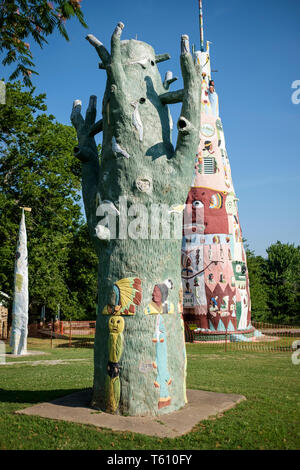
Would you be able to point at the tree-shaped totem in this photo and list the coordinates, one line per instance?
(139, 360)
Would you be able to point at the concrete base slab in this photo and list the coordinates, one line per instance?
(76, 408)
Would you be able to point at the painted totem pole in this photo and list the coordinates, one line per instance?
(215, 282)
(19, 330)
(139, 357)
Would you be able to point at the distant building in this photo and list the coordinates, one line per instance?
(3, 316)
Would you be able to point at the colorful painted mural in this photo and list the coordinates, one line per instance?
(214, 273)
(125, 296)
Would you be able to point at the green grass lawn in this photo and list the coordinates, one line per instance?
(269, 419)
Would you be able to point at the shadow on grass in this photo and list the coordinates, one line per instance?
(40, 396)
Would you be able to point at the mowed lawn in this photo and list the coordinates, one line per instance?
(269, 419)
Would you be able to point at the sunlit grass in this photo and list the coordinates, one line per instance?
(269, 419)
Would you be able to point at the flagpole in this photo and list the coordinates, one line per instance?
(201, 26)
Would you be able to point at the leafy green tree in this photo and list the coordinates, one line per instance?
(31, 20)
(259, 290)
(82, 274)
(38, 170)
(283, 280)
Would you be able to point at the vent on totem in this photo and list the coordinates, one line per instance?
(209, 165)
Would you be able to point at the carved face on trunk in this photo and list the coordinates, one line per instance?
(116, 324)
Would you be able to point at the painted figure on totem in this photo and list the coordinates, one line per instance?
(163, 379)
(116, 325)
(161, 306)
(159, 303)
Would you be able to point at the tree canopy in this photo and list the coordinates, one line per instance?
(22, 21)
(275, 284)
(38, 170)
(283, 280)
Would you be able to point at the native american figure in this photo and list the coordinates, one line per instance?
(126, 295)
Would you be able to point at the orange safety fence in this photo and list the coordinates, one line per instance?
(65, 333)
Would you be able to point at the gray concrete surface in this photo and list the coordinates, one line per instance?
(76, 408)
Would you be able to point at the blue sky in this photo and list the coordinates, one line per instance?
(255, 48)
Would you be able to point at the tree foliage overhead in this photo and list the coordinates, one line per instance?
(38, 170)
(32, 20)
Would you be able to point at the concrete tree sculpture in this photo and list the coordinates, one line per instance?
(139, 358)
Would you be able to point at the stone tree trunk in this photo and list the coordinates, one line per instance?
(139, 357)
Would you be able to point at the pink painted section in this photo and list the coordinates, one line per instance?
(212, 157)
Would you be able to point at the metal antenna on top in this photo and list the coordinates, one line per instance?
(201, 26)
